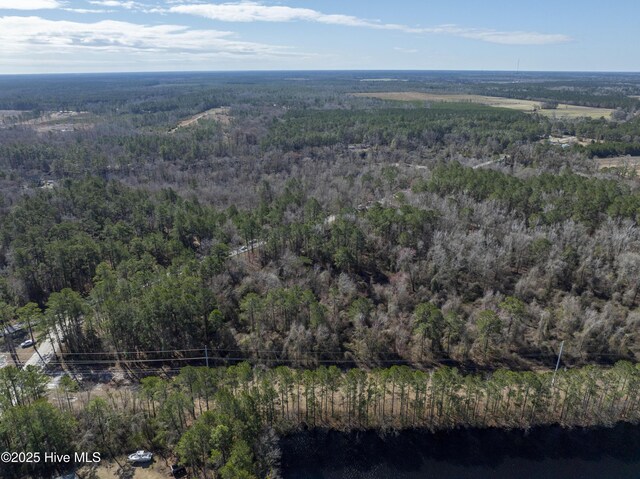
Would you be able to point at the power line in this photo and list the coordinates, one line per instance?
(109, 361)
(132, 352)
(280, 351)
(310, 361)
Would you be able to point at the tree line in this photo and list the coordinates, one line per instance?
(436, 126)
(224, 422)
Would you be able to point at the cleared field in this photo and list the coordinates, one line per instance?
(50, 121)
(563, 111)
(626, 163)
(569, 140)
(10, 117)
(9, 113)
(220, 115)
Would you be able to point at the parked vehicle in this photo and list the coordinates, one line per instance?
(140, 457)
(28, 343)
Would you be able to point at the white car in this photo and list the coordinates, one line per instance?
(28, 343)
(139, 457)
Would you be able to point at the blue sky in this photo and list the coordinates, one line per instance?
(56, 36)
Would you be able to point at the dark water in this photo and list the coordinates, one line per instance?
(540, 453)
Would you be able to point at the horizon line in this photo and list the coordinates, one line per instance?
(407, 70)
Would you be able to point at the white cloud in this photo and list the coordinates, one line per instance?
(116, 3)
(502, 37)
(87, 10)
(36, 35)
(29, 4)
(256, 12)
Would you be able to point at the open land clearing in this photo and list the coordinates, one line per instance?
(221, 115)
(50, 121)
(569, 140)
(9, 115)
(529, 106)
(626, 163)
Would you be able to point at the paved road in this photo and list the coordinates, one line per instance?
(46, 350)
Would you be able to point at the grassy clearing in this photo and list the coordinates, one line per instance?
(563, 111)
(50, 121)
(220, 115)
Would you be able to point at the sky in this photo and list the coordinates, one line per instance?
(69, 36)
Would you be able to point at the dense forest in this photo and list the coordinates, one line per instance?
(412, 278)
(247, 255)
(435, 126)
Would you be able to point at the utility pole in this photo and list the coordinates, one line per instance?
(553, 381)
(206, 354)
